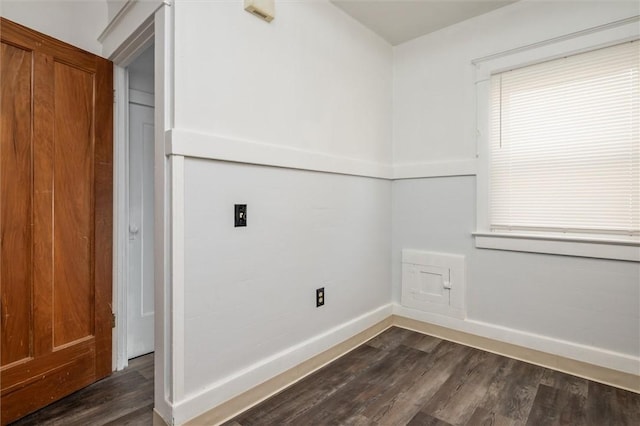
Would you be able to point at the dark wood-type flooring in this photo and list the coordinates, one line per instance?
(124, 398)
(405, 378)
(398, 378)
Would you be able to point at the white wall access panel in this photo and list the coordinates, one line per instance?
(433, 282)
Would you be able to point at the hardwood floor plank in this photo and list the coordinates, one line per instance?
(357, 420)
(421, 386)
(142, 396)
(291, 402)
(147, 372)
(423, 419)
(607, 405)
(120, 406)
(513, 390)
(140, 417)
(465, 389)
(565, 382)
(483, 417)
(141, 362)
(422, 342)
(367, 389)
(143, 365)
(390, 339)
(557, 407)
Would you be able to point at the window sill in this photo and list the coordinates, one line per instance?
(567, 246)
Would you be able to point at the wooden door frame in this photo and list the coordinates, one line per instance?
(157, 29)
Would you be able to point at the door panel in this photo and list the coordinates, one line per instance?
(140, 320)
(42, 204)
(15, 202)
(56, 218)
(51, 378)
(72, 214)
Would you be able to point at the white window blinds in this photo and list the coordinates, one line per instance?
(565, 145)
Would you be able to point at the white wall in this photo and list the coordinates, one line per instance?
(578, 301)
(250, 292)
(78, 22)
(114, 6)
(590, 302)
(312, 81)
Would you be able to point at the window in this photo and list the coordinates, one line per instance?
(565, 147)
(558, 137)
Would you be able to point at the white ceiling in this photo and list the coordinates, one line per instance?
(398, 21)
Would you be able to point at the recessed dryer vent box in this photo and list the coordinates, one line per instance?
(434, 282)
(263, 9)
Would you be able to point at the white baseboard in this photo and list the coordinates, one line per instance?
(239, 392)
(587, 354)
(158, 420)
(287, 361)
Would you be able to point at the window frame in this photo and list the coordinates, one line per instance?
(605, 247)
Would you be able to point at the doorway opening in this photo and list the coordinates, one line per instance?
(140, 202)
(125, 43)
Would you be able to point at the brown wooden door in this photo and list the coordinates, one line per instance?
(55, 219)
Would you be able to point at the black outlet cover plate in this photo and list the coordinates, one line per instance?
(240, 215)
(319, 297)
